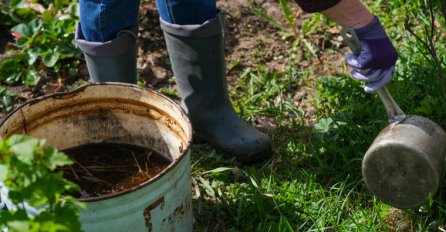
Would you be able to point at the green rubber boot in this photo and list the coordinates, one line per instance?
(198, 61)
(111, 61)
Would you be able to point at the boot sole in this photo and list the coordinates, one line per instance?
(246, 159)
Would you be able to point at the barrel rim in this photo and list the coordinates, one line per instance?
(82, 88)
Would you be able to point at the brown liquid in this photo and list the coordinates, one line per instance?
(107, 168)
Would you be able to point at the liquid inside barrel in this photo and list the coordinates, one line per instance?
(107, 168)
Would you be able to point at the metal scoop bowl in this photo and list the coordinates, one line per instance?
(404, 165)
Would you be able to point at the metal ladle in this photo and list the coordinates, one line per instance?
(404, 165)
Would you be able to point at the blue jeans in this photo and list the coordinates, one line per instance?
(101, 20)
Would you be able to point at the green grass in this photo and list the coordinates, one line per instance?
(314, 182)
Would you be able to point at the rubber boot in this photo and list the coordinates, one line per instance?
(111, 61)
(198, 61)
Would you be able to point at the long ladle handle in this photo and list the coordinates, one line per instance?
(394, 112)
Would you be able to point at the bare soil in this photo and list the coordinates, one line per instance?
(250, 42)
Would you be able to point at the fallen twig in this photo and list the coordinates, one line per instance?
(88, 172)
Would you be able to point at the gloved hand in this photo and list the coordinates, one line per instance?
(376, 62)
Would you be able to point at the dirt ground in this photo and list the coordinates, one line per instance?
(250, 42)
(245, 32)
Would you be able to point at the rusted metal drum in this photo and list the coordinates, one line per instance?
(119, 113)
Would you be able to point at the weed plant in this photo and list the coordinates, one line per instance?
(44, 34)
(28, 171)
(314, 181)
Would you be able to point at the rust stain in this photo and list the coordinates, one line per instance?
(147, 213)
(24, 126)
(178, 214)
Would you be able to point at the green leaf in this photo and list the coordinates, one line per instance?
(25, 150)
(67, 199)
(289, 15)
(17, 138)
(217, 170)
(15, 3)
(253, 181)
(23, 29)
(37, 199)
(55, 158)
(31, 77)
(35, 26)
(3, 172)
(33, 54)
(19, 226)
(28, 29)
(11, 68)
(207, 186)
(14, 77)
(324, 125)
(65, 51)
(7, 101)
(22, 41)
(47, 16)
(67, 216)
(15, 221)
(50, 58)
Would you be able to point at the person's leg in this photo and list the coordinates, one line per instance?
(186, 12)
(107, 36)
(101, 20)
(196, 49)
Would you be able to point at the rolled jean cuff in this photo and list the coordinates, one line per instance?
(124, 41)
(211, 27)
(102, 19)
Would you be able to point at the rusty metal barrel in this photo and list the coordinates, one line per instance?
(119, 113)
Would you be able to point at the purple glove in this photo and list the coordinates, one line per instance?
(375, 64)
